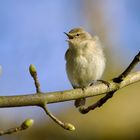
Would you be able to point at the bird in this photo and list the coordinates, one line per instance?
(85, 60)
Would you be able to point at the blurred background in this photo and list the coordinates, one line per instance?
(31, 32)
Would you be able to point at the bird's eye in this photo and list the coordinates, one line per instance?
(77, 34)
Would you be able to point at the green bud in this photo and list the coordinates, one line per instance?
(27, 123)
(69, 126)
(32, 70)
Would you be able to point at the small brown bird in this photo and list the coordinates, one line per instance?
(85, 60)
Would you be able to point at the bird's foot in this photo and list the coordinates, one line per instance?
(102, 81)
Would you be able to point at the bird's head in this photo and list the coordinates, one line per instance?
(77, 35)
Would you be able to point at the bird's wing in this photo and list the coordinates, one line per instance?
(66, 54)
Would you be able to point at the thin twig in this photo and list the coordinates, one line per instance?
(64, 125)
(26, 124)
(109, 95)
(131, 66)
(10, 131)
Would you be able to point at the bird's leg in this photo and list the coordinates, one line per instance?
(81, 101)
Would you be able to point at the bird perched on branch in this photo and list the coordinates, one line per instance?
(85, 60)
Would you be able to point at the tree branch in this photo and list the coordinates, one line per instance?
(64, 125)
(131, 66)
(67, 95)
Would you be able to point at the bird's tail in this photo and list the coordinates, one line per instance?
(80, 102)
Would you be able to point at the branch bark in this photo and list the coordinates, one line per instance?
(61, 96)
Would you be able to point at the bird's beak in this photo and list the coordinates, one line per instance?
(68, 35)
